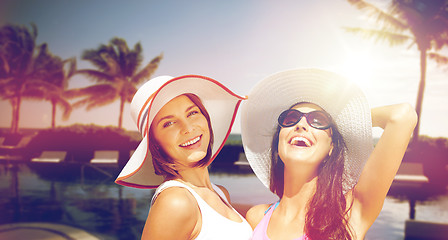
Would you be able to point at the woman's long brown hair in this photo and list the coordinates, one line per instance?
(326, 216)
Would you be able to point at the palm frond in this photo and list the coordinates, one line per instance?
(41, 84)
(71, 66)
(8, 90)
(364, 6)
(440, 59)
(94, 90)
(127, 59)
(17, 46)
(385, 20)
(94, 57)
(147, 71)
(95, 101)
(66, 108)
(5, 81)
(80, 103)
(440, 40)
(113, 66)
(39, 89)
(34, 31)
(102, 101)
(95, 75)
(127, 91)
(134, 60)
(381, 36)
(121, 44)
(33, 93)
(4, 65)
(117, 74)
(49, 67)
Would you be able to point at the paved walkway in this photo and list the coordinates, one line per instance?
(47, 231)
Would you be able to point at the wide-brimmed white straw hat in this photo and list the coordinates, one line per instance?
(340, 98)
(220, 102)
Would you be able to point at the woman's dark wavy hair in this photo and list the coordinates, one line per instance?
(326, 217)
(163, 163)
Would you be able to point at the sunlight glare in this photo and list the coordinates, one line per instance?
(358, 67)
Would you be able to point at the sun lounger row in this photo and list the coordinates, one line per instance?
(99, 157)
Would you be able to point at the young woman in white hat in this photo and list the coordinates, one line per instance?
(307, 134)
(184, 122)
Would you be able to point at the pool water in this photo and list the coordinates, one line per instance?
(113, 212)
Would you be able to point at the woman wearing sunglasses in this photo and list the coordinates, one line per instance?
(184, 122)
(307, 134)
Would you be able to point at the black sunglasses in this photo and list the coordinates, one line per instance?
(316, 119)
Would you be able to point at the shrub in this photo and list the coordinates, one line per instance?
(81, 140)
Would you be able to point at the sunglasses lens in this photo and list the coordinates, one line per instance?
(289, 118)
(316, 119)
(319, 120)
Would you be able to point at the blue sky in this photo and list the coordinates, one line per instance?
(236, 42)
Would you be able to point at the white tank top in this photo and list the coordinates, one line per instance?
(214, 225)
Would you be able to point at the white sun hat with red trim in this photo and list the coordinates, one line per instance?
(339, 97)
(220, 102)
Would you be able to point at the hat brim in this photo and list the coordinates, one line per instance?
(343, 100)
(221, 104)
(132, 176)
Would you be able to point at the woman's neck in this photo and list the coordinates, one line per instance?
(196, 177)
(297, 192)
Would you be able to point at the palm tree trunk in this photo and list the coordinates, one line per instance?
(15, 102)
(13, 120)
(120, 117)
(421, 90)
(53, 114)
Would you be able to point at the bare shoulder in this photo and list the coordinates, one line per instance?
(224, 190)
(255, 214)
(175, 198)
(173, 215)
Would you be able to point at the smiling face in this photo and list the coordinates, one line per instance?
(182, 131)
(303, 143)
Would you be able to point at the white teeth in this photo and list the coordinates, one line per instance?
(191, 142)
(297, 140)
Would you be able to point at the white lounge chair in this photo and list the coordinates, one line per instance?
(410, 174)
(105, 157)
(50, 157)
(102, 161)
(23, 143)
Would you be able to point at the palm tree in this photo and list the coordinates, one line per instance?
(23, 65)
(56, 82)
(116, 76)
(420, 22)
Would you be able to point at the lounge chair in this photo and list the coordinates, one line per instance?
(22, 143)
(15, 153)
(103, 161)
(410, 177)
(410, 174)
(105, 157)
(50, 157)
(53, 165)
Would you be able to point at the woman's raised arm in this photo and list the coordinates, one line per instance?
(398, 122)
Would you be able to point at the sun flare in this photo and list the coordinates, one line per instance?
(358, 67)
